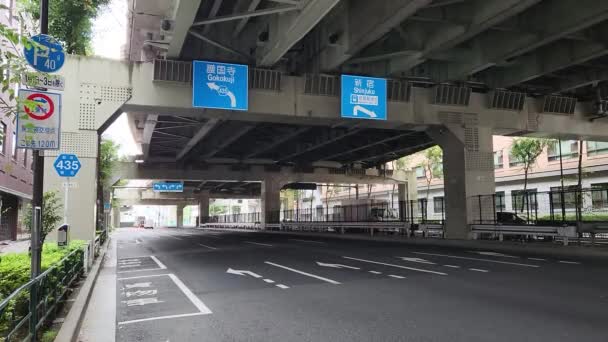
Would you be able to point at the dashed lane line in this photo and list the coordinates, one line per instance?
(451, 266)
(281, 286)
(537, 259)
(396, 276)
(269, 281)
(303, 273)
(309, 241)
(202, 245)
(398, 266)
(258, 243)
(477, 259)
(569, 262)
(478, 270)
(375, 272)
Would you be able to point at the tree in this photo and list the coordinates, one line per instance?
(526, 151)
(433, 166)
(108, 157)
(51, 208)
(70, 21)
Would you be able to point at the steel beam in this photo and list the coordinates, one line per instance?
(226, 142)
(149, 126)
(202, 132)
(212, 13)
(241, 24)
(278, 142)
(581, 79)
(290, 31)
(321, 144)
(267, 11)
(549, 22)
(484, 15)
(376, 143)
(219, 45)
(184, 15)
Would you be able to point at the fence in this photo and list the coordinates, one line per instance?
(16, 320)
(541, 208)
(408, 211)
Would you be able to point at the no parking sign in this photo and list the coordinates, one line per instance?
(38, 127)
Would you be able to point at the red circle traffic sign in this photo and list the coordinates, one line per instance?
(45, 115)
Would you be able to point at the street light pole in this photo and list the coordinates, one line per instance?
(37, 200)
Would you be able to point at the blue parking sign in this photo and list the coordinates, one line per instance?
(220, 85)
(363, 97)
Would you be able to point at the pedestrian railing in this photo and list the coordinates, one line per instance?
(19, 319)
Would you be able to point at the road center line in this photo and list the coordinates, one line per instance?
(257, 243)
(398, 266)
(477, 259)
(200, 244)
(309, 241)
(160, 264)
(303, 273)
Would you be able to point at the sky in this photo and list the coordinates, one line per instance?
(109, 36)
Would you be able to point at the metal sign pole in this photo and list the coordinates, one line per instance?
(37, 200)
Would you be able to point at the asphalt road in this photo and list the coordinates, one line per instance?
(192, 285)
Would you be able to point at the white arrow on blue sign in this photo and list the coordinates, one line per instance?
(49, 57)
(220, 85)
(363, 97)
(67, 165)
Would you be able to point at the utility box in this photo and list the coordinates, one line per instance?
(63, 235)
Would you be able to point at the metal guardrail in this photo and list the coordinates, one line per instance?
(51, 287)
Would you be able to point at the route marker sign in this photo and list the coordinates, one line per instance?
(168, 187)
(39, 128)
(363, 97)
(220, 85)
(49, 57)
(67, 165)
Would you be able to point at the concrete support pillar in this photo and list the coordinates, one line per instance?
(402, 197)
(468, 171)
(203, 207)
(180, 215)
(116, 217)
(270, 202)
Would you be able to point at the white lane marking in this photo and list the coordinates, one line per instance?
(269, 281)
(142, 301)
(309, 241)
(200, 244)
(121, 266)
(478, 270)
(337, 266)
(243, 272)
(282, 286)
(418, 260)
(496, 254)
(477, 259)
(257, 243)
(398, 266)
(211, 236)
(160, 264)
(537, 259)
(569, 262)
(160, 317)
(396, 276)
(194, 299)
(138, 285)
(145, 269)
(302, 273)
(452, 266)
(375, 272)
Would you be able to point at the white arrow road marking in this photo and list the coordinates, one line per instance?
(419, 260)
(337, 266)
(243, 272)
(303, 273)
(496, 254)
(358, 108)
(398, 266)
(477, 259)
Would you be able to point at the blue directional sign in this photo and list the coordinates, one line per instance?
(67, 165)
(220, 85)
(363, 97)
(168, 187)
(49, 57)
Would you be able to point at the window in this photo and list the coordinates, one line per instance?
(438, 204)
(500, 201)
(498, 160)
(599, 195)
(14, 146)
(514, 161)
(569, 197)
(2, 138)
(569, 150)
(597, 147)
(420, 172)
(524, 201)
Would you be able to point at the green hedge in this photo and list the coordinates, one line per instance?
(15, 271)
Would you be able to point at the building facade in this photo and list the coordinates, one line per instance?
(16, 176)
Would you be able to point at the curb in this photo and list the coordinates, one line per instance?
(536, 250)
(71, 326)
